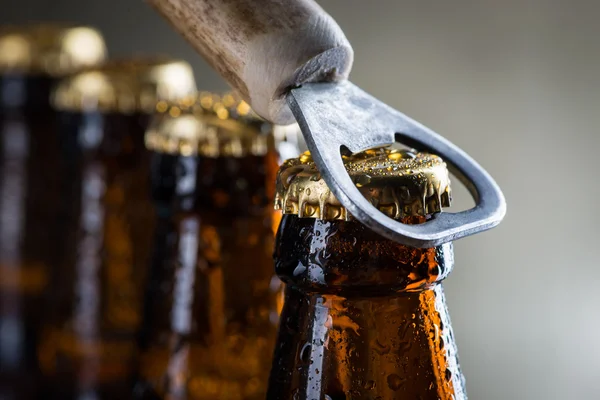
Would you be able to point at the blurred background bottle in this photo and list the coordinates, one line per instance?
(88, 345)
(32, 59)
(212, 300)
(363, 317)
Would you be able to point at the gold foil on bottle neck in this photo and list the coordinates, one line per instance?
(51, 50)
(127, 86)
(399, 183)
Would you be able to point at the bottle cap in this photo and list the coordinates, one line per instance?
(212, 126)
(228, 106)
(400, 183)
(206, 135)
(51, 50)
(126, 86)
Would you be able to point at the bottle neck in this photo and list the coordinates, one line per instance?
(208, 263)
(346, 258)
(105, 222)
(228, 186)
(213, 240)
(29, 176)
(211, 306)
(363, 317)
(112, 137)
(26, 92)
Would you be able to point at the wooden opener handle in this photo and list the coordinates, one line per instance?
(263, 48)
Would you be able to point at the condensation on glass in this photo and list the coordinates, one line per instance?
(363, 317)
(212, 301)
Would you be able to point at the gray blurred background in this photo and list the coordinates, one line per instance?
(515, 83)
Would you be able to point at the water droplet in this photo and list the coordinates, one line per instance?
(351, 351)
(363, 180)
(305, 157)
(370, 385)
(381, 348)
(305, 352)
(395, 156)
(394, 382)
(299, 269)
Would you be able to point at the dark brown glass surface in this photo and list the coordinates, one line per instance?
(25, 92)
(212, 300)
(363, 317)
(29, 164)
(88, 343)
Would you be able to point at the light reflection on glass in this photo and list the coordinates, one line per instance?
(12, 202)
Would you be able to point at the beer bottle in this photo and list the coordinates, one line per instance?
(88, 347)
(32, 59)
(212, 297)
(363, 317)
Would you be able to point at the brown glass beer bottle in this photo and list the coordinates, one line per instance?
(363, 317)
(32, 59)
(88, 347)
(212, 298)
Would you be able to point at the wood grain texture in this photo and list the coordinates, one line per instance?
(263, 47)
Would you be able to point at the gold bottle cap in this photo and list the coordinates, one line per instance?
(51, 50)
(212, 125)
(226, 106)
(126, 86)
(206, 135)
(231, 107)
(400, 183)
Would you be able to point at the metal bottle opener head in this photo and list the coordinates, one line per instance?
(340, 115)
